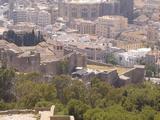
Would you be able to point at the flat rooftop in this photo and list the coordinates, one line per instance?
(18, 117)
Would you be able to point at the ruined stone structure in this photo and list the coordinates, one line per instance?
(134, 75)
(47, 58)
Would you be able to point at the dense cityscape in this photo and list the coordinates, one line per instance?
(79, 59)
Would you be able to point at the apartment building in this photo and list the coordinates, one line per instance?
(110, 26)
(32, 15)
(83, 26)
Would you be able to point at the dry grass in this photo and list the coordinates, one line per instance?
(120, 70)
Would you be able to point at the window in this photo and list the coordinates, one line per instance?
(94, 13)
(74, 12)
(84, 13)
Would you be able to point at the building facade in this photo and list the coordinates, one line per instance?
(36, 16)
(19, 15)
(88, 10)
(44, 18)
(83, 26)
(126, 9)
(110, 26)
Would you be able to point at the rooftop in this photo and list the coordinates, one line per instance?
(18, 117)
(45, 49)
(113, 17)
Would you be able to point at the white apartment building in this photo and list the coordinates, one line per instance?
(110, 26)
(19, 15)
(44, 18)
(32, 15)
(132, 57)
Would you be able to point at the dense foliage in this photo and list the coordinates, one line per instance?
(23, 39)
(110, 59)
(97, 101)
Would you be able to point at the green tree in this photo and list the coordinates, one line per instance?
(63, 66)
(6, 84)
(61, 83)
(30, 93)
(76, 90)
(147, 113)
(149, 69)
(149, 73)
(77, 109)
(111, 59)
(94, 114)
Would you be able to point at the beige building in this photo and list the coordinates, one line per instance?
(87, 9)
(83, 26)
(156, 15)
(44, 18)
(134, 36)
(130, 45)
(110, 26)
(73, 9)
(54, 15)
(152, 34)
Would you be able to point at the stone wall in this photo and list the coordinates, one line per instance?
(93, 62)
(110, 77)
(70, 61)
(58, 117)
(49, 68)
(30, 62)
(75, 59)
(135, 75)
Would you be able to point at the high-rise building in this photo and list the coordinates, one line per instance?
(19, 15)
